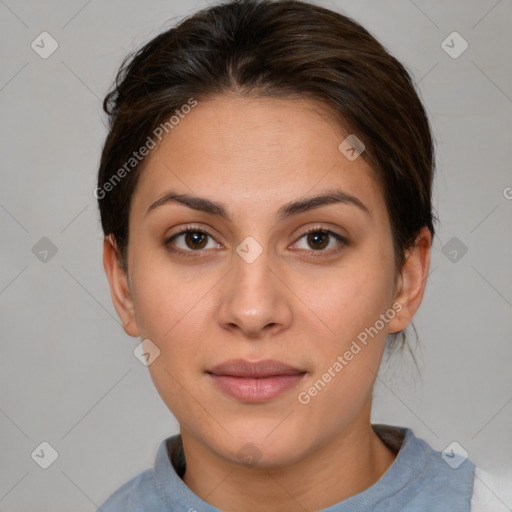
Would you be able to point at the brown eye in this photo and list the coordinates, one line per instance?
(319, 240)
(190, 240)
(195, 239)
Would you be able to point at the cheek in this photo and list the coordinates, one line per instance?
(173, 308)
(347, 361)
(170, 313)
(165, 294)
(351, 297)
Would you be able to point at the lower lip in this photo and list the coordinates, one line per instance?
(256, 390)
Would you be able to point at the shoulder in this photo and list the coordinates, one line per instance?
(138, 491)
(158, 488)
(489, 493)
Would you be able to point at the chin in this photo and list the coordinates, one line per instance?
(264, 451)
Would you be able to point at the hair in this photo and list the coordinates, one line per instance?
(283, 49)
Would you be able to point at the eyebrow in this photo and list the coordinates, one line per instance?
(302, 205)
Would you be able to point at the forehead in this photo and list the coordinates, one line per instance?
(269, 149)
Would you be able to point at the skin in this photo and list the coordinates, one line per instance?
(254, 155)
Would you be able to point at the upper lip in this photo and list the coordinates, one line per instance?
(243, 368)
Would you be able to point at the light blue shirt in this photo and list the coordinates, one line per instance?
(418, 480)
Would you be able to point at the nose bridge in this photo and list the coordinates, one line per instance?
(253, 298)
(252, 272)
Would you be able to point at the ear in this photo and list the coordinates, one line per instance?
(119, 286)
(411, 282)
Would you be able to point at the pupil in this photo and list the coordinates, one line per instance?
(315, 239)
(195, 238)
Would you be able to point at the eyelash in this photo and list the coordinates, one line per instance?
(314, 253)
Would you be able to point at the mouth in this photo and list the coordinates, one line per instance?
(255, 382)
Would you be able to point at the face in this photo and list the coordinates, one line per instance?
(262, 272)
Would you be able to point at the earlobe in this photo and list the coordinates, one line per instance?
(412, 281)
(119, 286)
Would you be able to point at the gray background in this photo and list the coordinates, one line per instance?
(67, 372)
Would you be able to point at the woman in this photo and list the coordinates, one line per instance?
(265, 195)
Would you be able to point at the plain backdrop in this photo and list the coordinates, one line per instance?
(68, 375)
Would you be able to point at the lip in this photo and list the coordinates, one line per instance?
(255, 382)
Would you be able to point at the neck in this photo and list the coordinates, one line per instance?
(348, 464)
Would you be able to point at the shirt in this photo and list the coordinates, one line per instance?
(419, 479)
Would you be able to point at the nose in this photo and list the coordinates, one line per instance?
(255, 300)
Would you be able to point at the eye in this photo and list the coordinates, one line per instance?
(322, 240)
(191, 240)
